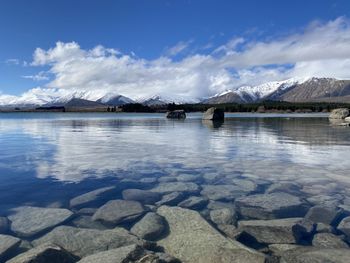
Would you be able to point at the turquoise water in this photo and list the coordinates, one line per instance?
(46, 159)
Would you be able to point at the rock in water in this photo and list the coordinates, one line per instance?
(276, 231)
(176, 114)
(150, 227)
(45, 253)
(315, 255)
(171, 199)
(214, 114)
(344, 226)
(92, 198)
(7, 245)
(143, 196)
(83, 242)
(28, 221)
(194, 202)
(270, 206)
(328, 240)
(223, 216)
(118, 211)
(192, 239)
(340, 113)
(323, 214)
(4, 225)
(184, 187)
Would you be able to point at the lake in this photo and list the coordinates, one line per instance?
(46, 159)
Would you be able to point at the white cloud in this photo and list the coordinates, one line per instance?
(41, 76)
(321, 49)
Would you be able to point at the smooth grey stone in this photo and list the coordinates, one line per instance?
(148, 180)
(185, 187)
(171, 199)
(315, 255)
(118, 211)
(83, 241)
(270, 206)
(167, 179)
(4, 225)
(229, 230)
(276, 231)
(279, 249)
(344, 226)
(222, 192)
(192, 239)
(45, 253)
(8, 244)
(93, 198)
(150, 227)
(328, 240)
(223, 216)
(188, 177)
(325, 200)
(212, 205)
(87, 222)
(123, 254)
(194, 202)
(290, 188)
(87, 211)
(27, 221)
(323, 214)
(324, 228)
(213, 114)
(143, 196)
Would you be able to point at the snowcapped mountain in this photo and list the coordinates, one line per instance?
(162, 100)
(113, 99)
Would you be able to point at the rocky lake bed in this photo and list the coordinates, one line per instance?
(209, 209)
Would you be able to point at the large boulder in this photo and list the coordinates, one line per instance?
(328, 240)
(82, 242)
(184, 187)
(276, 231)
(143, 196)
(315, 255)
(27, 221)
(324, 214)
(119, 211)
(45, 253)
(270, 206)
(93, 198)
(192, 239)
(214, 114)
(344, 226)
(176, 114)
(8, 244)
(150, 227)
(340, 113)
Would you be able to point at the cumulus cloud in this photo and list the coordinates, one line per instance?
(321, 50)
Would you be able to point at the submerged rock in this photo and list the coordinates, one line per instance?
(324, 228)
(93, 198)
(143, 196)
(214, 114)
(270, 206)
(223, 216)
(344, 226)
(328, 240)
(194, 202)
(192, 239)
(4, 225)
(315, 255)
(83, 242)
(340, 113)
(45, 253)
(87, 222)
(185, 187)
(290, 188)
(171, 199)
(176, 114)
(27, 221)
(222, 192)
(8, 244)
(276, 231)
(323, 214)
(150, 227)
(119, 211)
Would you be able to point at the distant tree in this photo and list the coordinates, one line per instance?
(108, 109)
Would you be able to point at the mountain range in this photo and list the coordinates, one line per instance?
(291, 90)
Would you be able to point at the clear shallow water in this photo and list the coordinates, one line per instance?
(46, 159)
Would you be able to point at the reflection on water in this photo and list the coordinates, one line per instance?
(57, 156)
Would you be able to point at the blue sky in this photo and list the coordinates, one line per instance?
(147, 32)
